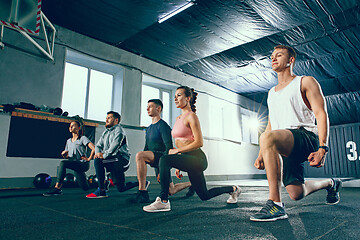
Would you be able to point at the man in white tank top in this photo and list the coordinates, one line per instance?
(291, 137)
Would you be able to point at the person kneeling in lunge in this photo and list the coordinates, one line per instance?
(291, 137)
(112, 153)
(187, 156)
(158, 142)
(75, 159)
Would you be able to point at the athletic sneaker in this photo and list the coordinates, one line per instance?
(97, 194)
(53, 192)
(140, 197)
(333, 196)
(190, 192)
(234, 195)
(157, 206)
(271, 212)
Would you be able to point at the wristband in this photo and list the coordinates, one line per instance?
(326, 148)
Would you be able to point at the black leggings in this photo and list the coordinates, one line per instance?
(80, 167)
(117, 170)
(194, 163)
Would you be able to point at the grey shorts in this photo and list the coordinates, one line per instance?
(305, 142)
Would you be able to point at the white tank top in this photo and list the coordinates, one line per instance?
(287, 109)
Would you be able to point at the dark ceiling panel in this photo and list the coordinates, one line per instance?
(107, 20)
(206, 29)
(229, 42)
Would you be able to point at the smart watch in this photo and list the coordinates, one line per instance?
(326, 148)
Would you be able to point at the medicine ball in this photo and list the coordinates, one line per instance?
(70, 181)
(42, 181)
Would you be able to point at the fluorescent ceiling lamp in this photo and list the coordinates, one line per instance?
(189, 4)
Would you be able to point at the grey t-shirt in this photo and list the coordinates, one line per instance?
(77, 149)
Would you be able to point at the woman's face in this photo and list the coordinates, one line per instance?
(181, 100)
(74, 128)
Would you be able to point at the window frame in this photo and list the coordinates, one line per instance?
(92, 63)
(162, 86)
(161, 90)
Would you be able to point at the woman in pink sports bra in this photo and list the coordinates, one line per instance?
(187, 156)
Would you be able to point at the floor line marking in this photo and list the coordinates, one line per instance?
(319, 237)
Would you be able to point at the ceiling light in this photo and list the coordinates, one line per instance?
(189, 4)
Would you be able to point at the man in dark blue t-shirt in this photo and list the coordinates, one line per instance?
(158, 141)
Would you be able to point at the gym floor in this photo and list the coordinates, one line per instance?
(26, 214)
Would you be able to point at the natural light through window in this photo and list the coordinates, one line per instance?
(74, 92)
(87, 92)
(147, 94)
(167, 107)
(100, 94)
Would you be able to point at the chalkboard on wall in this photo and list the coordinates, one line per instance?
(38, 138)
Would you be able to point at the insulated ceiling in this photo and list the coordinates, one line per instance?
(228, 42)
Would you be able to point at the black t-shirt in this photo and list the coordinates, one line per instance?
(158, 137)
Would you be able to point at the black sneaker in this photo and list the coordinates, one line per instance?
(140, 197)
(53, 192)
(190, 192)
(271, 212)
(333, 196)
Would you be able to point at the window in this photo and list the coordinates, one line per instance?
(225, 123)
(100, 93)
(147, 93)
(88, 89)
(74, 93)
(155, 88)
(250, 126)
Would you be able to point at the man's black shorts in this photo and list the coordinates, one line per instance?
(155, 164)
(305, 142)
(157, 156)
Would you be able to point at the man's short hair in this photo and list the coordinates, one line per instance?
(290, 50)
(115, 114)
(157, 102)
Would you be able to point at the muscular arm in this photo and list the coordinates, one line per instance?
(316, 100)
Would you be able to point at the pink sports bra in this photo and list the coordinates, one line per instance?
(180, 130)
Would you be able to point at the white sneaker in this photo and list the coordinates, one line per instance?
(234, 195)
(157, 206)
